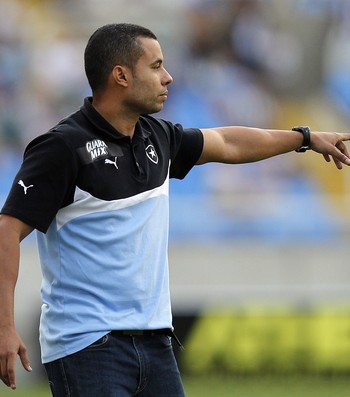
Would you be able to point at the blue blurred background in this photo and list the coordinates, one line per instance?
(271, 233)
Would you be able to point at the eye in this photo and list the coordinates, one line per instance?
(157, 65)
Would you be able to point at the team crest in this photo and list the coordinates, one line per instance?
(152, 154)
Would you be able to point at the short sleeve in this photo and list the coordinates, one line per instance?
(44, 183)
(186, 145)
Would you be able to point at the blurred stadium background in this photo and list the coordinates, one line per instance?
(259, 253)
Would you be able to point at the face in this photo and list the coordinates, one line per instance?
(148, 84)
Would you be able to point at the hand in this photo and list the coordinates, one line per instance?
(10, 345)
(331, 144)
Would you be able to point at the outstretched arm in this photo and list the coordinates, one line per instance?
(12, 231)
(234, 145)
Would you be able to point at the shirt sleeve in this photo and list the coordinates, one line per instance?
(44, 183)
(186, 146)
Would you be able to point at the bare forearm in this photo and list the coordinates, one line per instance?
(9, 264)
(244, 144)
(12, 232)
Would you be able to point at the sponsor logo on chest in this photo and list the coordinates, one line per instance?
(96, 148)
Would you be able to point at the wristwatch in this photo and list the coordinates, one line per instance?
(306, 142)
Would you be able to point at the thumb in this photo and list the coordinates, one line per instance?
(24, 358)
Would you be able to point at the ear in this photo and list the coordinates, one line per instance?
(121, 75)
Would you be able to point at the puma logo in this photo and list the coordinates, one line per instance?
(21, 183)
(107, 161)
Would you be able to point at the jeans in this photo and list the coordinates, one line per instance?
(118, 366)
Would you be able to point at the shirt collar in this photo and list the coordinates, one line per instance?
(102, 124)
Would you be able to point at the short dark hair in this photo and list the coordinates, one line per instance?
(110, 45)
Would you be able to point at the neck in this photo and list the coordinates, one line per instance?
(119, 118)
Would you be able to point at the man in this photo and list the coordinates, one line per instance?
(96, 189)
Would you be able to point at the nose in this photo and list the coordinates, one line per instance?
(167, 78)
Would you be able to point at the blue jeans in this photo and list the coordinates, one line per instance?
(118, 366)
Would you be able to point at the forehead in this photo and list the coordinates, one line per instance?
(152, 50)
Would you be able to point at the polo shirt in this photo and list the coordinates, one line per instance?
(100, 203)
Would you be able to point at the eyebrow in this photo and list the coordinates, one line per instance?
(158, 61)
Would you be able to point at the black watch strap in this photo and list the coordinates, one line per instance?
(306, 141)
